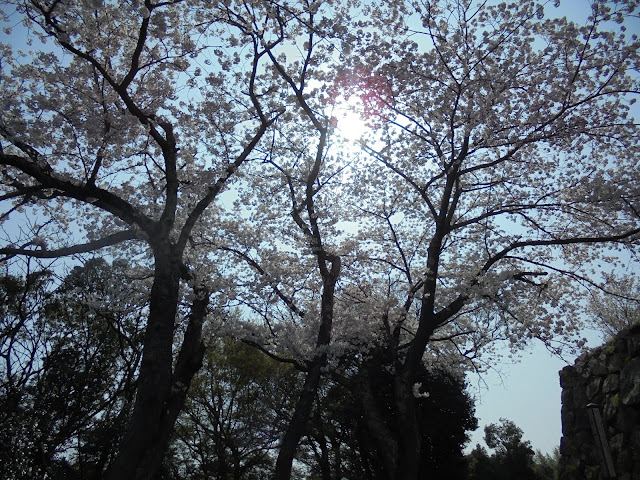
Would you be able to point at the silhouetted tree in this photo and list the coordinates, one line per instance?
(546, 465)
(342, 436)
(512, 459)
(235, 410)
(68, 395)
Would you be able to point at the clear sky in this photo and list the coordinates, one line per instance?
(527, 393)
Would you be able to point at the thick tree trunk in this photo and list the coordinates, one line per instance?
(160, 392)
(408, 432)
(154, 380)
(395, 433)
(295, 430)
(378, 427)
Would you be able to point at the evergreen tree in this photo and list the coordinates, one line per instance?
(342, 435)
(512, 458)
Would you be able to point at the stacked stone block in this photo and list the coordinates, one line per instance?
(608, 376)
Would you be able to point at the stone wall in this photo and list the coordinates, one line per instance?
(608, 376)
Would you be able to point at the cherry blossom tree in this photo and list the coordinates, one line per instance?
(500, 168)
(505, 170)
(123, 136)
(617, 308)
(500, 173)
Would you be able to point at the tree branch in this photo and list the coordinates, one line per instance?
(107, 241)
(86, 193)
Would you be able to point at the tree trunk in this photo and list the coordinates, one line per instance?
(296, 427)
(160, 393)
(325, 464)
(408, 431)
(337, 457)
(154, 380)
(302, 412)
(386, 447)
(395, 434)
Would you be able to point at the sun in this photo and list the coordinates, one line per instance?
(360, 101)
(349, 120)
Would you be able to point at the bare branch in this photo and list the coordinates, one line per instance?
(107, 241)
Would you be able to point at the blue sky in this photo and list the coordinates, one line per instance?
(527, 393)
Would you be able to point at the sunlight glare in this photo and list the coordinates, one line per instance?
(350, 124)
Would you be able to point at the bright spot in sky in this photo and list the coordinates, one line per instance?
(349, 122)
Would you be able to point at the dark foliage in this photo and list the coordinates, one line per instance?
(238, 405)
(342, 445)
(70, 361)
(512, 459)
